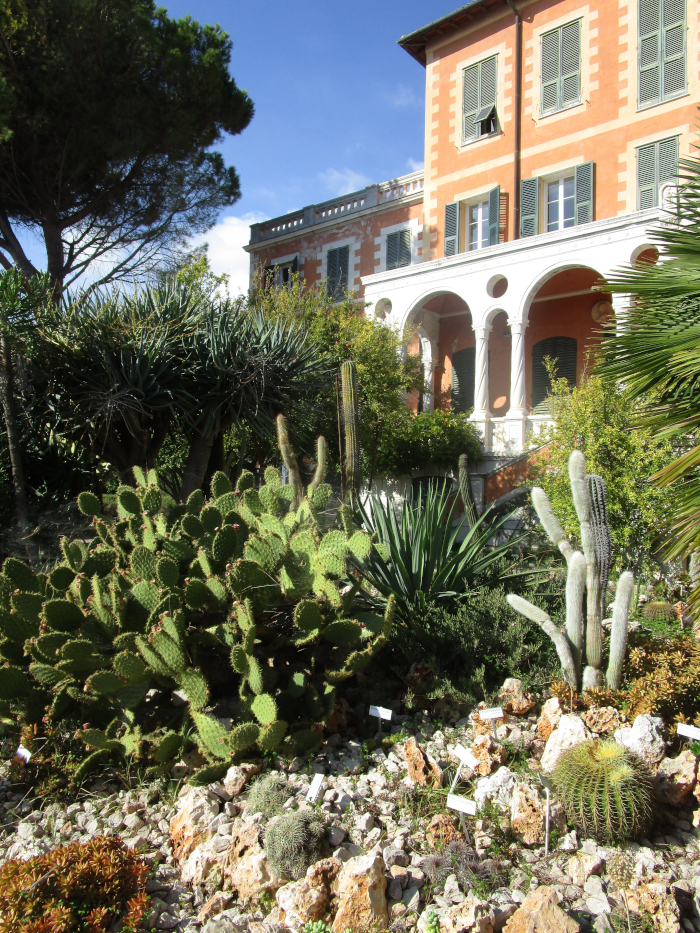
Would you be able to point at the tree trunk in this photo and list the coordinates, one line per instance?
(217, 459)
(196, 464)
(13, 446)
(55, 257)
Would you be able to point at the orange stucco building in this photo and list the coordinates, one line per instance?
(553, 132)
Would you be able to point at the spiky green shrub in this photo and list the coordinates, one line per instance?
(250, 578)
(268, 795)
(293, 842)
(606, 790)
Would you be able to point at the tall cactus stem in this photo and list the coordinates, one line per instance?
(321, 461)
(575, 589)
(618, 633)
(584, 510)
(351, 429)
(603, 537)
(549, 522)
(561, 642)
(290, 461)
(466, 492)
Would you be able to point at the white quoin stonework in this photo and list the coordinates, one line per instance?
(604, 246)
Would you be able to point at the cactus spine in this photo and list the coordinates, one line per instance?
(587, 575)
(351, 429)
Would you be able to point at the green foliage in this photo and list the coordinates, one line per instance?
(267, 795)
(429, 439)
(79, 888)
(598, 418)
(606, 790)
(293, 842)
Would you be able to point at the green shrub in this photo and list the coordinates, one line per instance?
(606, 790)
(80, 888)
(268, 795)
(293, 842)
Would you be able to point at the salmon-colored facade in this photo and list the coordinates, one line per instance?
(553, 131)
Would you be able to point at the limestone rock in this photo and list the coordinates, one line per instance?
(361, 895)
(602, 720)
(498, 788)
(549, 718)
(442, 829)
(582, 865)
(483, 726)
(308, 899)
(421, 768)
(528, 813)
(202, 860)
(488, 753)
(541, 913)
(571, 731)
(471, 916)
(195, 811)
(645, 738)
(216, 903)
(513, 699)
(676, 778)
(656, 901)
(238, 776)
(245, 868)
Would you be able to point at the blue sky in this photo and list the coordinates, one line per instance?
(338, 103)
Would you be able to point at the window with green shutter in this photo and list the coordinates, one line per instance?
(563, 351)
(657, 163)
(479, 116)
(463, 368)
(452, 228)
(337, 272)
(561, 67)
(398, 249)
(529, 207)
(661, 51)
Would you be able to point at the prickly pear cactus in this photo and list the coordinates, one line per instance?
(254, 576)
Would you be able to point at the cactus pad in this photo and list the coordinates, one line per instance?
(89, 504)
(264, 709)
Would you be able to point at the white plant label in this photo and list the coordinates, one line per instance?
(315, 787)
(455, 802)
(691, 731)
(380, 712)
(23, 753)
(465, 757)
(495, 713)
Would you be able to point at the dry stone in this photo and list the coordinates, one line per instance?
(308, 899)
(549, 718)
(582, 865)
(541, 913)
(421, 767)
(195, 811)
(570, 732)
(238, 776)
(645, 738)
(655, 900)
(498, 788)
(488, 753)
(361, 893)
(442, 829)
(471, 916)
(245, 867)
(528, 813)
(513, 699)
(677, 777)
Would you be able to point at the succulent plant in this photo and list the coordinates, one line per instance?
(267, 795)
(294, 841)
(659, 611)
(606, 790)
(252, 574)
(351, 429)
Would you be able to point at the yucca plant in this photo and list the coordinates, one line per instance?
(419, 558)
(606, 790)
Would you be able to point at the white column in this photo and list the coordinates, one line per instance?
(481, 373)
(518, 404)
(620, 305)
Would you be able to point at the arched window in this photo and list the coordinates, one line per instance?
(463, 379)
(561, 349)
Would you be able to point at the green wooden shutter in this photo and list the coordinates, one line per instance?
(494, 214)
(550, 70)
(649, 52)
(487, 89)
(451, 228)
(343, 268)
(583, 192)
(529, 206)
(463, 368)
(392, 250)
(404, 248)
(647, 193)
(561, 349)
(337, 271)
(667, 160)
(332, 271)
(470, 103)
(570, 92)
(673, 46)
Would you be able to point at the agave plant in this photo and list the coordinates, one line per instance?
(421, 557)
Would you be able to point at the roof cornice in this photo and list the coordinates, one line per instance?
(415, 43)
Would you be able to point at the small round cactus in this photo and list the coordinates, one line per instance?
(607, 791)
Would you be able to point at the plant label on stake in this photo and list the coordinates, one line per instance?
(466, 759)
(315, 787)
(381, 712)
(462, 806)
(692, 732)
(493, 714)
(548, 786)
(23, 753)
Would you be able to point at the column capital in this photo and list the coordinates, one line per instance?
(481, 331)
(517, 327)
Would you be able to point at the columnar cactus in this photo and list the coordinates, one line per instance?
(132, 615)
(580, 646)
(465, 490)
(351, 429)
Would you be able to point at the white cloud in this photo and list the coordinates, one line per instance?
(343, 181)
(226, 254)
(415, 165)
(404, 96)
